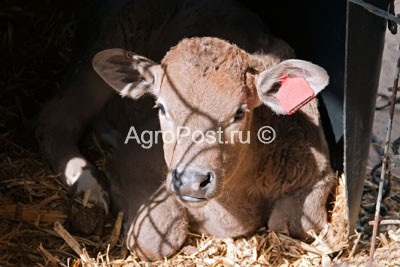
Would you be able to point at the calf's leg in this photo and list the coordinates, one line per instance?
(61, 124)
(160, 227)
(303, 210)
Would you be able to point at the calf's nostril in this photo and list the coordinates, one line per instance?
(176, 181)
(207, 180)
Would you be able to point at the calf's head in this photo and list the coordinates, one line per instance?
(206, 90)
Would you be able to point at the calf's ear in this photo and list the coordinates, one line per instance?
(289, 85)
(128, 73)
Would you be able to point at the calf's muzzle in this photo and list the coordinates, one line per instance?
(193, 185)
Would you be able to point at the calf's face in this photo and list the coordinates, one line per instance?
(206, 90)
(206, 95)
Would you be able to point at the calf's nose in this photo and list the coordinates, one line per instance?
(192, 184)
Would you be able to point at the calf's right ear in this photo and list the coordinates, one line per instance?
(128, 73)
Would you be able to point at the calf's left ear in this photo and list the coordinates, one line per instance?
(289, 85)
(128, 73)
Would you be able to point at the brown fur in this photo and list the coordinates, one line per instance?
(201, 82)
(284, 184)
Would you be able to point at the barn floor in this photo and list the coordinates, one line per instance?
(36, 41)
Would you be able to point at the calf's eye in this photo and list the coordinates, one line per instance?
(240, 112)
(160, 108)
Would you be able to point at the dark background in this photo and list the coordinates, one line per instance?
(41, 39)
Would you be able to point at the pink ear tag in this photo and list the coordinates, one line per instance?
(294, 93)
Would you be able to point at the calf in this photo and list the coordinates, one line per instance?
(225, 87)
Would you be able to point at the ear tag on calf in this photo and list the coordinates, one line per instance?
(294, 93)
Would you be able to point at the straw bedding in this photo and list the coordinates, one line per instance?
(36, 40)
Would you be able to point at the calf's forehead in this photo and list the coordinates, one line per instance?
(206, 73)
(212, 92)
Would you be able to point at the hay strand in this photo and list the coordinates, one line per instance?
(82, 253)
(31, 213)
(51, 260)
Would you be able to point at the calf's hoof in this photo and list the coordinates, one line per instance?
(86, 220)
(90, 199)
